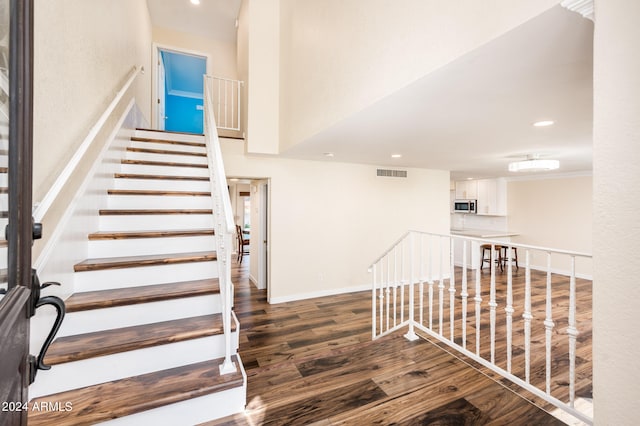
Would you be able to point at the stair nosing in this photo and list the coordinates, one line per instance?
(163, 164)
(120, 235)
(167, 332)
(104, 263)
(156, 389)
(143, 212)
(166, 152)
(101, 299)
(158, 192)
(168, 142)
(158, 177)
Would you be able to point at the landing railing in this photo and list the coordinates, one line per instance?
(226, 96)
(521, 320)
(223, 218)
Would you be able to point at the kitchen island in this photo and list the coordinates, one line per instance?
(474, 253)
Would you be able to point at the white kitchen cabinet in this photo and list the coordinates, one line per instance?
(492, 197)
(467, 190)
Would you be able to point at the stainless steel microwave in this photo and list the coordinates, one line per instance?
(465, 206)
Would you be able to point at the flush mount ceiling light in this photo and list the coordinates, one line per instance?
(543, 123)
(196, 2)
(533, 163)
(396, 155)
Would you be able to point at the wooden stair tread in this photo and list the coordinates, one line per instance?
(107, 342)
(145, 294)
(163, 163)
(158, 192)
(158, 177)
(4, 170)
(121, 235)
(167, 152)
(131, 395)
(146, 260)
(169, 142)
(137, 212)
(175, 132)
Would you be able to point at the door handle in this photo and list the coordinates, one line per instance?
(37, 363)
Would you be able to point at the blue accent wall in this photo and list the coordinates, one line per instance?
(183, 91)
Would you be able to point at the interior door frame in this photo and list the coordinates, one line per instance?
(18, 305)
(157, 47)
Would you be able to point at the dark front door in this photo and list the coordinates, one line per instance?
(16, 227)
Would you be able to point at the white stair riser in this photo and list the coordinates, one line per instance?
(144, 313)
(160, 184)
(171, 158)
(189, 412)
(87, 372)
(155, 222)
(164, 170)
(167, 147)
(169, 136)
(143, 275)
(158, 202)
(4, 180)
(143, 246)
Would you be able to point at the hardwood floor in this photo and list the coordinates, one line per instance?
(313, 362)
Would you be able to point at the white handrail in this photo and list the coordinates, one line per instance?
(223, 217)
(61, 181)
(411, 252)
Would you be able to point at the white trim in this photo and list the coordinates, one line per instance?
(47, 250)
(44, 205)
(321, 293)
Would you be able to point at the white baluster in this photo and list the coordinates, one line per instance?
(441, 287)
(478, 300)
(548, 327)
(527, 318)
(452, 291)
(388, 291)
(403, 281)
(395, 285)
(430, 283)
(421, 279)
(381, 295)
(464, 294)
(509, 308)
(411, 335)
(492, 306)
(572, 331)
(374, 295)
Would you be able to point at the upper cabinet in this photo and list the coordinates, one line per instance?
(467, 190)
(491, 195)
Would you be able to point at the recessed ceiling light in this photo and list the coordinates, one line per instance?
(195, 2)
(469, 178)
(233, 179)
(396, 155)
(543, 123)
(328, 154)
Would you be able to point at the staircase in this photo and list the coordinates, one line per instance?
(143, 338)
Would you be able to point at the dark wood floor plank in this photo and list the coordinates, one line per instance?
(148, 260)
(145, 294)
(127, 396)
(99, 343)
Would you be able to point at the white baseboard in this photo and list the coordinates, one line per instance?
(320, 293)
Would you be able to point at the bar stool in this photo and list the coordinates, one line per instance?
(505, 255)
(498, 250)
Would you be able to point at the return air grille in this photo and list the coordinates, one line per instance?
(392, 173)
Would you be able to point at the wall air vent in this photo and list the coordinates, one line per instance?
(392, 173)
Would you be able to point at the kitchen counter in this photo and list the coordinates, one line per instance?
(482, 233)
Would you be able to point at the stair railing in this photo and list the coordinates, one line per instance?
(225, 94)
(223, 219)
(506, 333)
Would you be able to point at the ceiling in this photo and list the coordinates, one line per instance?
(211, 18)
(472, 116)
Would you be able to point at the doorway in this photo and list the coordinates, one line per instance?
(250, 204)
(180, 90)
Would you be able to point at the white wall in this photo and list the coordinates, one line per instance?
(84, 53)
(616, 237)
(222, 54)
(555, 213)
(330, 220)
(340, 56)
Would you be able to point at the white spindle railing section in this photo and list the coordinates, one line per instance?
(223, 219)
(516, 326)
(226, 97)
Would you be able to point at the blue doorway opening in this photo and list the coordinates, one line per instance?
(181, 81)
